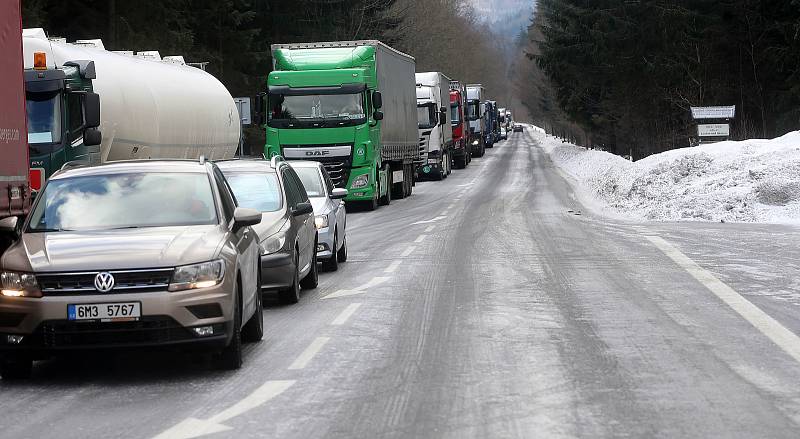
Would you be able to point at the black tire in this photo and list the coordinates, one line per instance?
(312, 278)
(332, 263)
(409, 180)
(254, 328)
(231, 357)
(16, 369)
(387, 199)
(341, 255)
(449, 162)
(292, 294)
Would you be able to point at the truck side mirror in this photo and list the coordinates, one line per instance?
(442, 116)
(377, 100)
(91, 110)
(261, 114)
(92, 137)
(378, 115)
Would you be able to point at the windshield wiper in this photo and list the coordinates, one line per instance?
(45, 230)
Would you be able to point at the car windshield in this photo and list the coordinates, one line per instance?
(311, 180)
(259, 191)
(473, 110)
(44, 117)
(455, 114)
(342, 109)
(127, 200)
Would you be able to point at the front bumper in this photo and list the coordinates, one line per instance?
(167, 319)
(325, 238)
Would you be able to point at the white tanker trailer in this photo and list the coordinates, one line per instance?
(149, 108)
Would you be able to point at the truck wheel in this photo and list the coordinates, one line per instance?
(449, 162)
(16, 368)
(399, 189)
(409, 180)
(387, 199)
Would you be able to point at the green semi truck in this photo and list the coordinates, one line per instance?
(349, 105)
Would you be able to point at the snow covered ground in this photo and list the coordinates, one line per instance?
(747, 181)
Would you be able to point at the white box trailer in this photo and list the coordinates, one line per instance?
(435, 125)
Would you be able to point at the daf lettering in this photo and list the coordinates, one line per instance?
(317, 153)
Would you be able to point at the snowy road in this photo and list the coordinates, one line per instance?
(481, 307)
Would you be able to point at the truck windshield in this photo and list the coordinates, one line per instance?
(426, 115)
(455, 114)
(122, 201)
(330, 110)
(473, 110)
(44, 117)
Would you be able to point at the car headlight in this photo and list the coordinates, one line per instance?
(19, 284)
(360, 181)
(476, 142)
(276, 241)
(204, 275)
(321, 221)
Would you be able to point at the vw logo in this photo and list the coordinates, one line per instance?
(104, 282)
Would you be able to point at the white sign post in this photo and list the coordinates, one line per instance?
(243, 105)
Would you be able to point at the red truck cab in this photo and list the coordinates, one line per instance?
(461, 154)
(15, 195)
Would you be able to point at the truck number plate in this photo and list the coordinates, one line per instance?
(105, 312)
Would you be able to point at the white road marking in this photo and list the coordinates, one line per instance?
(342, 318)
(357, 290)
(408, 251)
(393, 266)
(307, 355)
(784, 338)
(429, 229)
(429, 221)
(420, 238)
(193, 427)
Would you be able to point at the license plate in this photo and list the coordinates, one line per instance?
(105, 312)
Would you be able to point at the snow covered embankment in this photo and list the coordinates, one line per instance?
(747, 181)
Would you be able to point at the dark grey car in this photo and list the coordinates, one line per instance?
(286, 232)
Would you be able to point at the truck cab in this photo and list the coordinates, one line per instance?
(63, 111)
(435, 125)
(461, 147)
(477, 119)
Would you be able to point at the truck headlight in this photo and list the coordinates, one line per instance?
(19, 284)
(204, 275)
(360, 181)
(321, 221)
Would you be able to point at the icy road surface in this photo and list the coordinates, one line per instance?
(480, 307)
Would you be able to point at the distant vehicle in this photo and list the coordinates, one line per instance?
(92, 105)
(477, 119)
(504, 133)
(458, 115)
(518, 128)
(330, 214)
(325, 103)
(15, 196)
(435, 125)
(492, 134)
(286, 232)
(172, 262)
(509, 119)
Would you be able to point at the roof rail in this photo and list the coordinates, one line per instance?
(274, 162)
(75, 164)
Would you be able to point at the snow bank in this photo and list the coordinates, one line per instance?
(747, 181)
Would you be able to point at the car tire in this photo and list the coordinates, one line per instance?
(231, 357)
(16, 369)
(254, 328)
(312, 278)
(332, 263)
(292, 294)
(341, 255)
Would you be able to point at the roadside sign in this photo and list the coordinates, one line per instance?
(243, 105)
(714, 130)
(728, 112)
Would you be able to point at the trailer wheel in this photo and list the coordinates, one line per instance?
(409, 179)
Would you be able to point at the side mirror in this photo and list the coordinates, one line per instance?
(92, 137)
(338, 193)
(91, 110)
(442, 116)
(378, 115)
(259, 109)
(8, 226)
(377, 99)
(243, 217)
(303, 209)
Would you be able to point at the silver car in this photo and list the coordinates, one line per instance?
(330, 215)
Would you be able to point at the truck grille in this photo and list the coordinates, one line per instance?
(338, 166)
(338, 170)
(125, 281)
